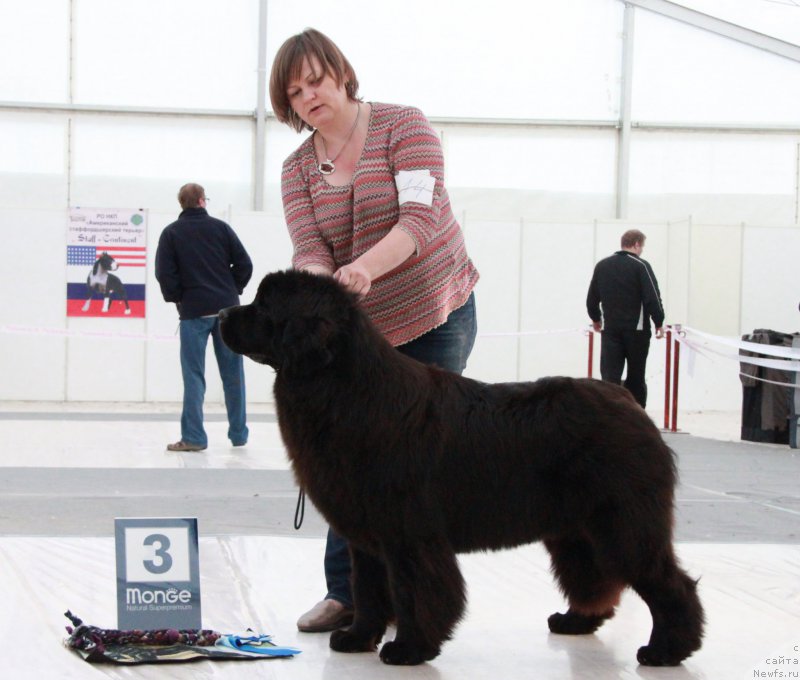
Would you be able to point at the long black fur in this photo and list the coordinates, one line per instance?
(412, 464)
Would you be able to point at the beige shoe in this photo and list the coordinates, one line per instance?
(185, 446)
(325, 616)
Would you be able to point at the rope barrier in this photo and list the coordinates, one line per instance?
(786, 365)
(769, 350)
(13, 329)
(789, 360)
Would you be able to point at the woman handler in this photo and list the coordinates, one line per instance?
(365, 202)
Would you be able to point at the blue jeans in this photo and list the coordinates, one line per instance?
(194, 339)
(447, 346)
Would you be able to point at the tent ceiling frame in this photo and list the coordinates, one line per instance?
(623, 126)
(719, 26)
(442, 121)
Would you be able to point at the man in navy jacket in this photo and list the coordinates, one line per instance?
(625, 288)
(202, 267)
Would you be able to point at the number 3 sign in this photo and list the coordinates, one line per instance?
(158, 573)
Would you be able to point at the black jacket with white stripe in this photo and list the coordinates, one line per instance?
(625, 286)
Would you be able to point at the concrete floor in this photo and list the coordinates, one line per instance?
(66, 471)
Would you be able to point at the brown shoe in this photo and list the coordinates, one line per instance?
(325, 616)
(185, 446)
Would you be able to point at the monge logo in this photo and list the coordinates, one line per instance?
(136, 596)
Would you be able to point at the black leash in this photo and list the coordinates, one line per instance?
(300, 510)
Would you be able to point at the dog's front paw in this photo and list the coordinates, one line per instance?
(573, 623)
(346, 641)
(403, 654)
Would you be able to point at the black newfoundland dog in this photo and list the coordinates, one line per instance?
(412, 464)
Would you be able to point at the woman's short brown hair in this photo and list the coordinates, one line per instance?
(288, 62)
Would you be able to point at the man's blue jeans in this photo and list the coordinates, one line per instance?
(448, 347)
(194, 340)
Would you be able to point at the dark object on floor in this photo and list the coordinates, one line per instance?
(132, 647)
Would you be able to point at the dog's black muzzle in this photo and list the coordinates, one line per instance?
(231, 329)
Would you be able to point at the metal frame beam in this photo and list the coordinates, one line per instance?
(720, 27)
(443, 121)
(259, 146)
(52, 107)
(625, 94)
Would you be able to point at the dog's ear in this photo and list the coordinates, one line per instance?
(306, 345)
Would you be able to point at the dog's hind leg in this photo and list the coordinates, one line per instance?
(429, 599)
(372, 606)
(592, 594)
(117, 288)
(678, 617)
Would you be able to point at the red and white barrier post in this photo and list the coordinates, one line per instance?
(671, 370)
(667, 376)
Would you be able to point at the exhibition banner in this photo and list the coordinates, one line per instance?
(106, 262)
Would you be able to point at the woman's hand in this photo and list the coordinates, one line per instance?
(393, 249)
(354, 277)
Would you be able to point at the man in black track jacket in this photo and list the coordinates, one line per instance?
(625, 288)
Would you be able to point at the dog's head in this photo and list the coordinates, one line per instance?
(106, 262)
(294, 322)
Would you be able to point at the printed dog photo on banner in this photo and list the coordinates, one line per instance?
(106, 262)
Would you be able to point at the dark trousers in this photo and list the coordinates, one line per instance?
(448, 347)
(621, 346)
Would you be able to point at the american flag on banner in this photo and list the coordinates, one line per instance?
(125, 256)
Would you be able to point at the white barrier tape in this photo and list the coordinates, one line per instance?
(70, 333)
(691, 345)
(785, 365)
(781, 365)
(771, 382)
(67, 332)
(770, 350)
(13, 329)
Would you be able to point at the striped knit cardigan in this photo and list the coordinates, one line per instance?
(332, 226)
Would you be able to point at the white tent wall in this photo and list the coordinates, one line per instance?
(723, 279)
(529, 115)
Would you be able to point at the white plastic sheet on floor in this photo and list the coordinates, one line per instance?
(751, 594)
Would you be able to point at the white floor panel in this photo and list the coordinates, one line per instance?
(751, 594)
(115, 444)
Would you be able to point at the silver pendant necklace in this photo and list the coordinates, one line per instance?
(327, 166)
